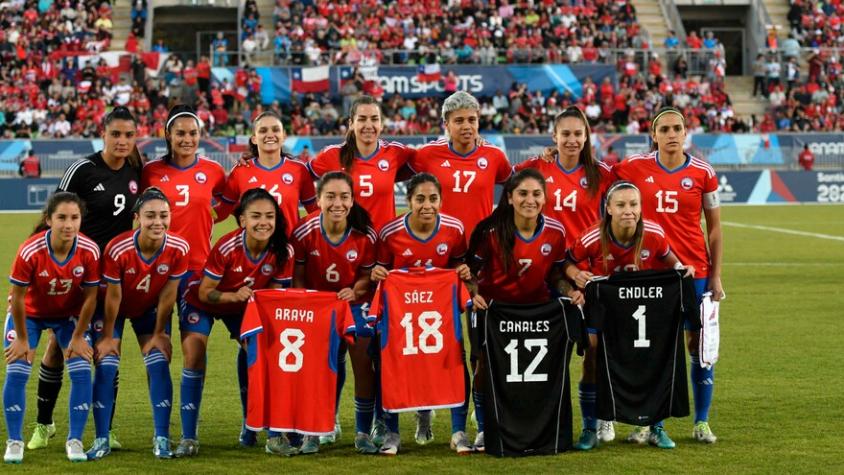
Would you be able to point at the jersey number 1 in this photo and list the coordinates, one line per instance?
(639, 316)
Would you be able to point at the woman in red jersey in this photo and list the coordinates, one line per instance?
(54, 287)
(372, 162)
(142, 268)
(284, 177)
(676, 189)
(423, 237)
(254, 256)
(335, 251)
(621, 242)
(516, 255)
(576, 181)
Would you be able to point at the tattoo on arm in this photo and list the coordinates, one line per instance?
(214, 296)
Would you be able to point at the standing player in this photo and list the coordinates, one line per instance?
(621, 242)
(466, 167)
(254, 256)
(515, 255)
(284, 177)
(107, 182)
(54, 287)
(576, 182)
(371, 162)
(424, 237)
(335, 251)
(143, 269)
(675, 188)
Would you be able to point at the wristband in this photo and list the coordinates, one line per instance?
(679, 266)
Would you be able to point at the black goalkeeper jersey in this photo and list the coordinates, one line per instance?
(641, 356)
(528, 400)
(109, 196)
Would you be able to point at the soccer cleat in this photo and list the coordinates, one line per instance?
(75, 450)
(187, 448)
(113, 442)
(364, 445)
(588, 440)
(606, 431)
(247, 438)
(659, 438)
(379, 432)
(460, 443)
(424, 432)
(161, 448)
(639, 435)
(14, 451)
(479, 442)
(330, 439)
(99, 449)
(280, 445)
(310, 445)
(41, 436)
(703, 433)
(392, 444)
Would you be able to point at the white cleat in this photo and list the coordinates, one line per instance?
(606, 431)
(14, 451)
(391, 445)
(75, 451)
(639, 435)
(479, 442)
(460, 443)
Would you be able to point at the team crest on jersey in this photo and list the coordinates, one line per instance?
(545, 249)
(645, 254)
(686, 183)
(193, 317)
(383, 165)
(11, 335)
(442, 248)
(78, 271)
(163, 269)
(352, 255)
(583, 182)
(133, 187)
(200, 177)
(483, 163)
(266, 269)
(287, 178)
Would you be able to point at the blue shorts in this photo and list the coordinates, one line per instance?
(700, 289)
(363, 321)
(63, 328)
(143, 325)
(182, 291)
(196, 320)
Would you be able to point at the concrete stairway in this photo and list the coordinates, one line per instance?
(740, 89)
(778, 11)
(121, 18)
(651, 20)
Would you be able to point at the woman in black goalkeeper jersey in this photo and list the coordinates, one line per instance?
(107, 181)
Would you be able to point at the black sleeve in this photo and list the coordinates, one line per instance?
(74, 177)
(595, 311)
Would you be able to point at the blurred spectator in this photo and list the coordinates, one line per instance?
(30, 166)
(806, 159)
(759, 74)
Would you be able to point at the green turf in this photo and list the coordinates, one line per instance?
(778, 397)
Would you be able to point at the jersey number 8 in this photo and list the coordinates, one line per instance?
(292, 340)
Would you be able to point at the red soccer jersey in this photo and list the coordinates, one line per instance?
(141, 280)
(567, 198)
(468, 181)
(418, 313)
(191, 191)
(374, 176)
(525, 280)
(398, 247)
(674, 200)
(332, 266)
(54, 289)
(231, 264)
(289, 182)
(295, 336)
(586, 252)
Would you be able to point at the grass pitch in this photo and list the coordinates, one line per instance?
(778, 396)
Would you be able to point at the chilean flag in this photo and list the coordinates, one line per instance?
(429, 73)
(310, 79)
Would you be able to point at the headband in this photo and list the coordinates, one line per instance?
(622, 184)
(182, 114)
(150, 194)
(668, 111)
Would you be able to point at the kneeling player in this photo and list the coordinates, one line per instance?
(143, 268)
(254, 256)
(621, 242)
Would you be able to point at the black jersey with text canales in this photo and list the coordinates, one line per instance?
(528, 400)
(641, 356)
(109, 196)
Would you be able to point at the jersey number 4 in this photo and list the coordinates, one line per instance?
(529, 376)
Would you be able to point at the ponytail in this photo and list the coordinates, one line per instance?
(52, 203)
